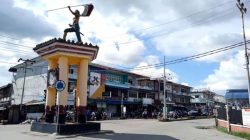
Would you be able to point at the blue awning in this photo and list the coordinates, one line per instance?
(116, 86)
(118, 102)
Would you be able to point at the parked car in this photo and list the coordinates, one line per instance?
(193, 113)
(204, 113)
(185, 113)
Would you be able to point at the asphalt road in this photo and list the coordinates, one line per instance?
(137, 129)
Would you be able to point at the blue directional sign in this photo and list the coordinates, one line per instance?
(60, 85)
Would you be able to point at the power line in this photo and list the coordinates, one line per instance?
(16, 39)
(123, 43)
(200, 22)
(120, 43)
(192, 57)
(180, 18)
(6, 42)
(112, 64)
(133, 41)
(7, 62)
(20, 50)
(179, 60)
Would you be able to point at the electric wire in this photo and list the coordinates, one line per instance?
(179, 60)
(193, 56)
(180, 18)
(161, 33)
(133, 41)
(219, 5)
(13, 38)
(30, 46)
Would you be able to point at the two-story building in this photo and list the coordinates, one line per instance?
(5, 96)
(109, 89)
(202, 100)
(6, 92)
(219, 101)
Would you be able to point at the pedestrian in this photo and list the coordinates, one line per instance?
(145, 114)
(93, 116)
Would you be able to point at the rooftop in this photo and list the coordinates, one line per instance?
(60, 40)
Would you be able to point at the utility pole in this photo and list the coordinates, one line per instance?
(164, 92)
(24, 78)
(243, 11)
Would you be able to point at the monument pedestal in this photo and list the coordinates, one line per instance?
(81, 116)
(63, 129)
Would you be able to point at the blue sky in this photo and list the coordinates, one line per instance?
(197, 71)
(136, 33)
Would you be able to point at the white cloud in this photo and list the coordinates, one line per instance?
(148, 68)
(110, 49)
(230, 74)
(186, 84)
(5, 75)
(199, 40)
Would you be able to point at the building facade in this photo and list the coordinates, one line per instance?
(219, 101)
(109, 89)
(5, 96)
(202, 100)
(237, 97)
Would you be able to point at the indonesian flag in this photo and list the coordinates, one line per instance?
(88, 8)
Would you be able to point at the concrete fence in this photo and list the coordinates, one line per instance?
(233, 127)
(231, 119)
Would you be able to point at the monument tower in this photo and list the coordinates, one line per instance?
(60, 55)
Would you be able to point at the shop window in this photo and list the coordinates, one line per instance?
(182, 100)
(71, 71)
(132, 94)
(183, 90)
(130, 81)
(151, 95)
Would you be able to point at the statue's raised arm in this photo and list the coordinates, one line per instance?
(71, 10)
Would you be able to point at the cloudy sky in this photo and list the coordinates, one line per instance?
(135, 35)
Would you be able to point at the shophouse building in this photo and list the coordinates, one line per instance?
(109, 89)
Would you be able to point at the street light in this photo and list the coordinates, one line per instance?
(243, 11)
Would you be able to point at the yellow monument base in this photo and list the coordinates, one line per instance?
(60, 54)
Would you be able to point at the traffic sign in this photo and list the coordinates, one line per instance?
(60, 85)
